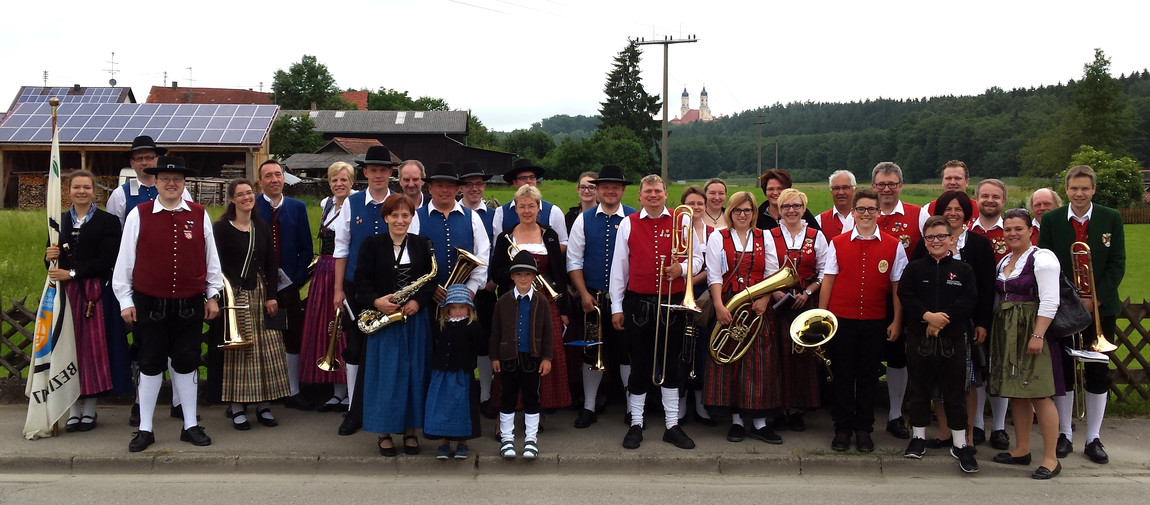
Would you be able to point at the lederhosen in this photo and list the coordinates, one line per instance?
(801, 372)
(649, 239)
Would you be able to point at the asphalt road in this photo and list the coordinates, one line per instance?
(232, 489)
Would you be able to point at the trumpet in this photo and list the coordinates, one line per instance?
(232, 337)
(329, 363)
(593, 332)
(541, 284)
(682, 246)
(811, 330)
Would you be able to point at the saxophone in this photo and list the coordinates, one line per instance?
(371, 320)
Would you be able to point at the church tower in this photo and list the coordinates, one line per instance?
(704, 109)
(685, 104)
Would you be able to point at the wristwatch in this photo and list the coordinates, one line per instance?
(807, 292)
(72, 273)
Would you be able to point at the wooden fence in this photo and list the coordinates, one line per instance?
(1135, 215)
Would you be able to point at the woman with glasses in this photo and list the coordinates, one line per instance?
(694, 356)
(588, 198)
(737, 259)
(804, 249)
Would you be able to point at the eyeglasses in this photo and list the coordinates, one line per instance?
(842, 188)
(170, 178)
(586, 187)
(741, 212)
(526, 178)
(936, 238)
(474, 184)
(791, 206)
(886, 185)
(144, 158)
(866, 210)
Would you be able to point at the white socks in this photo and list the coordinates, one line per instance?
(896, 379)
(998, 408)
(339, 391)
(980, 408)
(89, 407)
(958, 438)
(238, 416)
(293, 373)
(74, 410)
(185, 383)
(175, 395)
(636, 404)
(1065, 406)
(507, 427)
(350, 371)
(591, 381)
(759, 423)
(670, 406)
(918, 432)
(485, 375)
(700, 410)
(148, 390)
(737, 418)
(531, 427)
(625, 376)
(1095, 411)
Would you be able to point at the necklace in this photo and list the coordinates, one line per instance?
(714, 220)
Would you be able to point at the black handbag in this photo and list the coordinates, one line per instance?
(1072, 317)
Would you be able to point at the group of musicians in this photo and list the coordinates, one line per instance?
(701, 298)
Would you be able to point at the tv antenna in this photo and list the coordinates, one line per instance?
(112, 71)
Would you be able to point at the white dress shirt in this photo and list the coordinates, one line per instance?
(577, 242)
(620, 269)
(900, 260)
(481, 245)
(555, 221)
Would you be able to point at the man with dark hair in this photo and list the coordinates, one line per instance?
(291, 235)
(1101, 229)
(955, 177)
(411, 174)
(525, 172)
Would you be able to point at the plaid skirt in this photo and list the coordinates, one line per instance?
(257, 373)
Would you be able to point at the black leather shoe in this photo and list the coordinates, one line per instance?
(1044, 473)
(333, 406)
(1095, 452)
(765, 434)
(134, 416)
(979, 436)
(177, 412)
(915, 449)
(298, 402)
(350, 425)
(486, 410)
(409, 449)
(266, 421)
(196, 436)
(795, 422)
(676, 437)
(1064, 446)
(736, 433)
(842, 441)
(706, 421)
(634, 437)
(585, 419)
(1000, 440)
(73, 425)
(389, 452)
(780, 423)
(897, 428)
(140, 441)
(1006, 459)
(863, 441)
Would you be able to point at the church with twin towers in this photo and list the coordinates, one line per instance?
(689, 115)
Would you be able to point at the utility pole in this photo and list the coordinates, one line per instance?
(760, 141)
(667, 41)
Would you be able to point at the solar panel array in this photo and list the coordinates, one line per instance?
(30, 94)
(92, 123)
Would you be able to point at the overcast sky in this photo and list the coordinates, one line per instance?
(514, 62)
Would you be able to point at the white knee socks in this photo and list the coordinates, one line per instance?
(980, 408)
(1095, 411)
(350, 371)
(148, 390)
(185, 383)
(507, 427)
(175, 395)
(637, 403)
(670, 406)
(89, 408)
(531, 427)
(1065, 406)
(591, 381)
(293, 373)
(998, 408)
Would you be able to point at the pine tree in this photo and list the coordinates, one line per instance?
(628, 104)
(1105, 121)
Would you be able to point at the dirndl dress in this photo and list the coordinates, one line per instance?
(257, 373)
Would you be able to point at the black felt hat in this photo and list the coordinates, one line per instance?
(473, 169)
(610, 173)
(377, 155)
(520, 166)
(524, 262)
(443, 171)
(171, 164)
(145, 143)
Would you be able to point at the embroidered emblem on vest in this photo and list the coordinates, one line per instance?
(883, 266)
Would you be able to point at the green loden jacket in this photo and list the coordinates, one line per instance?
(1107, 250)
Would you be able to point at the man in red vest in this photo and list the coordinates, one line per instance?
(170, 239)
(862, 273)
(644, 275)
(955, 177)
(839, 219)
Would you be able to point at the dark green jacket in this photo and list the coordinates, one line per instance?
(1107, 250)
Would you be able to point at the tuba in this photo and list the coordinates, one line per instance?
(232, 337)
(371, 320)
(813, 329)
(729, 343)
(682, 246)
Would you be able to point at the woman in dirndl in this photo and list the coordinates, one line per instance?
(89, 242)
(320, 314)
(397, 363)
(1024, 365)
(255, 373)
(804, 248)
(736, 260)
(543, 244)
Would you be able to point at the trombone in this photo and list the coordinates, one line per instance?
(682, 246)
(1082, 262)
(232, 337)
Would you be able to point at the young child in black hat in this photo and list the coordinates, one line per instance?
(521, 353)
(452, 411)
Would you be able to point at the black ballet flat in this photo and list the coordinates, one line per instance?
(386, 451)
(410, 450)
(268, 421)
(1044, 473)
(1006, 459)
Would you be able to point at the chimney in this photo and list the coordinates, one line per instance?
(313, 106)
(174, 85)
(76, 88)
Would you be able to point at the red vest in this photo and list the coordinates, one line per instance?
(830, 224)
(803, 258)
(171, 253)
(744, 270)
(649, 239)
(904, 227)
(997, 241)
(863, 282)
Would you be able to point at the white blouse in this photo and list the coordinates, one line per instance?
(1046, 273)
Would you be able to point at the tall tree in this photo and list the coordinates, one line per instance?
(305, 82)
(628, 104)
(1105, 120)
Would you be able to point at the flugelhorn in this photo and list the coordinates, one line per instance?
(541, 283)
(232, 337)
(730, 342)
(682, 246)
(329, 363)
